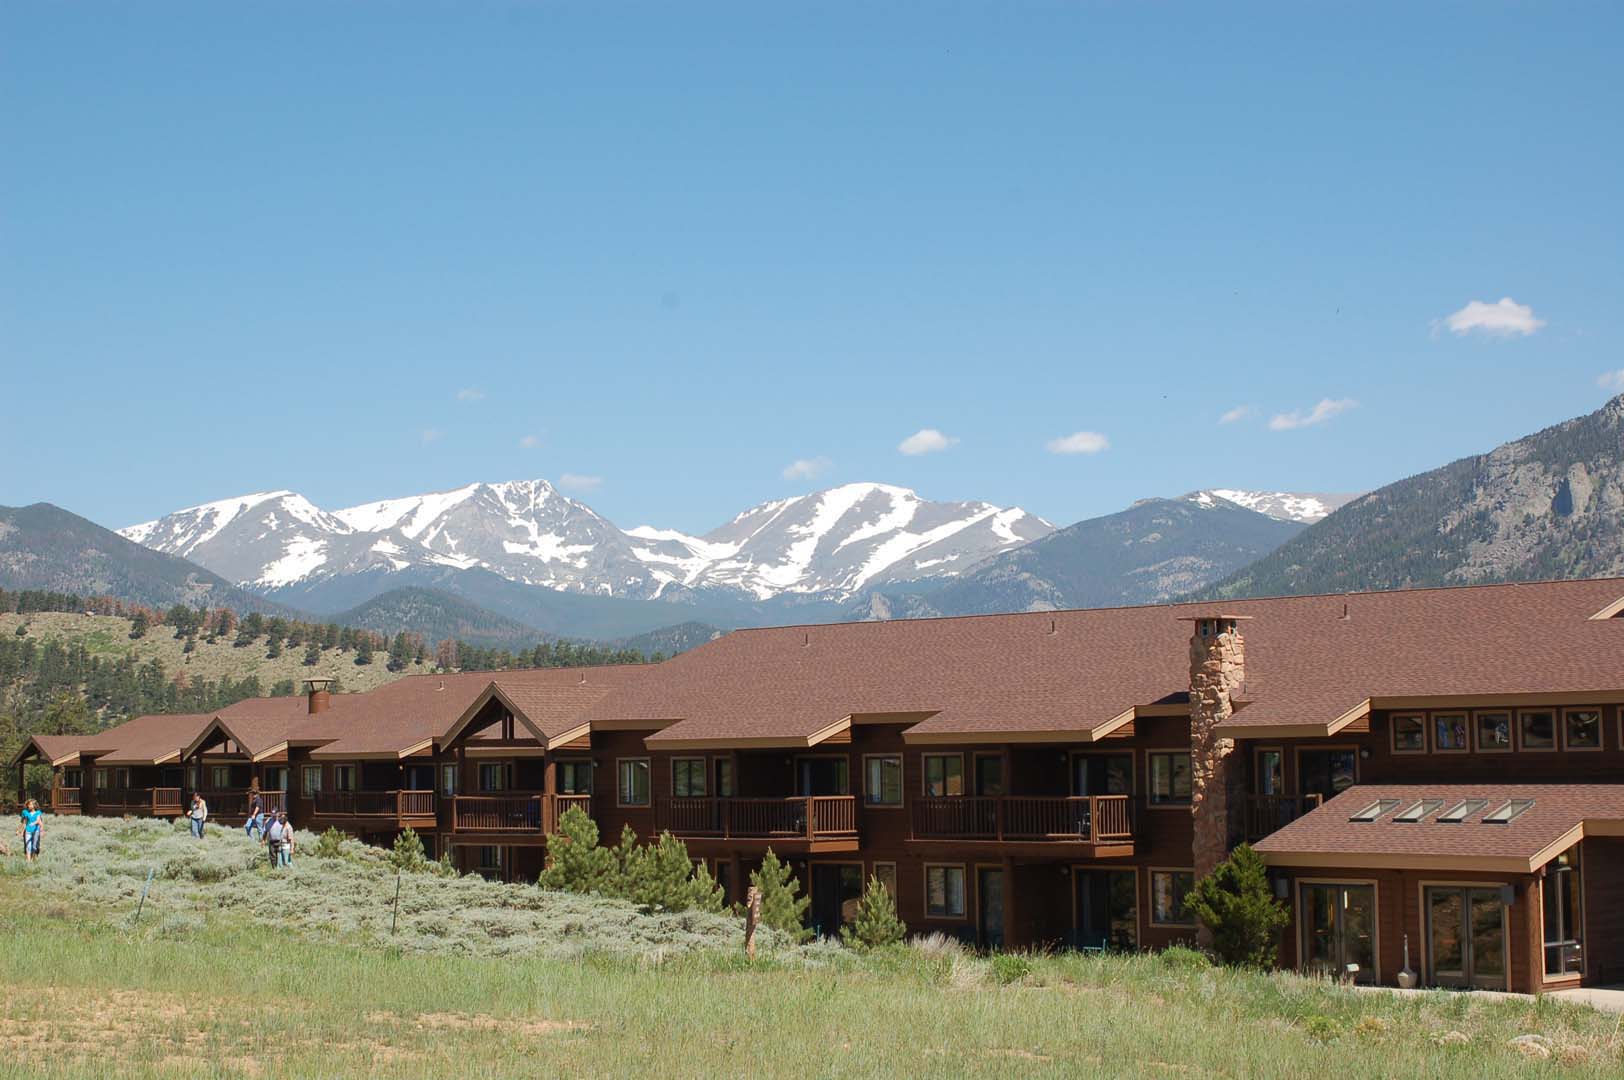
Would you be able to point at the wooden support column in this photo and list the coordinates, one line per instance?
(1013, 938)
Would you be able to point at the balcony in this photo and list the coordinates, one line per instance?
(514, 812)
(235, 804)
(1267, 813)
(1102, 823)
(385, 807)
(138, 802)
(65, 800)
(803, 823)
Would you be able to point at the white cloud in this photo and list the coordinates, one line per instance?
(431, 435)
(926, 441)
(806, 468)
(1507, 318)
(1081, 442)
(470, 393)
(529, 442)
(1325, 410)
(1238, 413)
(577, 482)
(1611, 380)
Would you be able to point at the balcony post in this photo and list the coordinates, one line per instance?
(810, 803)
(998, 819)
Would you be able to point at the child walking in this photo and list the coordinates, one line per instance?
(31, 829)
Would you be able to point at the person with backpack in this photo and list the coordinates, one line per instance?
(32, 829)
(199, 813)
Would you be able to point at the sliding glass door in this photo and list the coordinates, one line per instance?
(1466, 936)
(1339, 931)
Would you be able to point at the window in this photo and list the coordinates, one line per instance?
(944, 892)
(823, 775)
(1102, 774)
(1170, 779)
(219, 777)
(989, 774)
(493, 776)
(1409, 734)
(1375, 810)
(1493, 732)
(1271, 772)
(343, 777)
(1538, 729)
(448, 780)
(1449, 733)
(489, 860)
(1507, 811)
(632, 785)
(72, 778)
(1168, 891)
(886, 874)
(310, 780)
(944, 775)
(1462, 810)
(882, 781)
(575, 778)
(1564, 934)
(1581, 729)
(724, 777)
(100, 778)
(1418, 810)
(688, 777)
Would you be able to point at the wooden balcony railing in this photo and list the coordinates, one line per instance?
(236, 803)
(381, 804)
(1097, 819)
(138, 800)
(513, 811)
(1267, 813)
(806, 816)
(64, 798)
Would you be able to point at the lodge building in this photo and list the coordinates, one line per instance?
(1435, 774)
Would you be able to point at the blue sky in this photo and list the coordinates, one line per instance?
(672, 251)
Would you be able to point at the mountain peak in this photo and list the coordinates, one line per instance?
(1303, 507)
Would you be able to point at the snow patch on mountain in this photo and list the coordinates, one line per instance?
(1306, 508)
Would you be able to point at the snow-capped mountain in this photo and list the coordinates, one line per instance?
(1304, 507)
(832, 542)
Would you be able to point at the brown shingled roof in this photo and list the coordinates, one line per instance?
(145, 740)
(1560, 816)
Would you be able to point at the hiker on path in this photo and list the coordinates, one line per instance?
(31, 828)
(199, 813)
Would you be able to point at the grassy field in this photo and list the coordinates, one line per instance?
(109, 636)
(237, 972)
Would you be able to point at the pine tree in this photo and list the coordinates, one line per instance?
(661, 876)
(138, 627)
(312, 655)
(1236, 904)
(575, 862)
(408, 854)
(363, 649)
(782, 906)
(399, 653)
(877, 924)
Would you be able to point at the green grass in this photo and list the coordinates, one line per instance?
(217, 982)
(109, 636)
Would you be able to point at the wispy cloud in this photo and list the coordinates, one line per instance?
(1325, 410)
(577, 482)
(806, 468)
(1080, 442)
(470, 393)
(529, 442)
(431, 435)
(1505, 318)
(1238, 413)
(926, 441)
(1611, 380)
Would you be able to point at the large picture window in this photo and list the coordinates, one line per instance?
(1170, 778)
(944, 892)
(632, 781)
(944, 775)
(882, 780)
(1169, 889)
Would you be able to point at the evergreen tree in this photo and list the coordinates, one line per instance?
(782, 906)
(138, 627)
(399, 653)
(575, 862)
(877, 924)
(661, 876)
(363, 650)
(312, 655)
(408, 853)
(1235, 903)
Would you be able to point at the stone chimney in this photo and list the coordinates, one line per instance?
(316, 691)
(1217, 674)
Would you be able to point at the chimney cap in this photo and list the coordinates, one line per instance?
(318, 682)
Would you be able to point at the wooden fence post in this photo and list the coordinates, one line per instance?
(752, 919)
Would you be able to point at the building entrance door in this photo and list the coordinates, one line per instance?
(990, 907)
(1466, 937)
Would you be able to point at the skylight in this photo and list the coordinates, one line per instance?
(1375, 810)
(1462, 810)
(1417, 811)
(1510, 810)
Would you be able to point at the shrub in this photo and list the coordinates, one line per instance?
(408, 854)
(575, 862)
(782, 907)
(329, 845)
(1182, 956)
(876, 924)
(1010, 968)
(1235, 903)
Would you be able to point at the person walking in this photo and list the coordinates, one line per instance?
(199, 813)
(256, 816)
(32, 829)
(284, 851)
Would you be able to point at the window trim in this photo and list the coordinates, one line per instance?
(964, 890)
(1346, 882)
(1576, 977)
(1556, 731)
(1392, 732)
(1477, 731)
(902, 782)
(582, 763)
(924, 775)
(354, 773)
(1150, 882)
(1150, 787)
(1601, 730)
(704, 775)
(1432, 731)
(217, 773)
(648, 766)
(306, 790)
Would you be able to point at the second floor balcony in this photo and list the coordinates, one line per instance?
(138, 801)
(384, 807)
(1103, 823)
(800, 823)
(513, 812)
